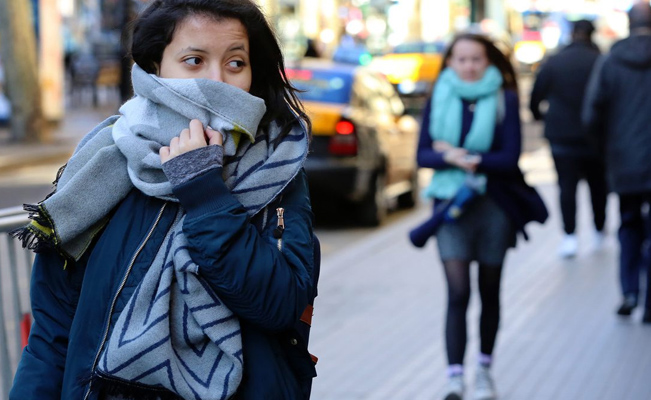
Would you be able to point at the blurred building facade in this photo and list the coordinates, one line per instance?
(67, 28)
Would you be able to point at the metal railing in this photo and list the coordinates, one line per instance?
(15, 271)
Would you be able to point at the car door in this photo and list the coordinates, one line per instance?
(385, 108)
(404, 143)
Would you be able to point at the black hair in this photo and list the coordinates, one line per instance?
(495, 57)
(639, 16)
(583, 27)
(154, 29)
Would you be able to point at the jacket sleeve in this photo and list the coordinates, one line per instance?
(426, 156)
(540, 91)
(595, 105)
(54, 296)
(263, 281)
(504, 157)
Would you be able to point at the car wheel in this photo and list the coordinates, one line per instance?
(373, 209)
(410, 199)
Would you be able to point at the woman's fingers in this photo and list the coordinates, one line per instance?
(197, 137)
(468, 166)
(189, 139)
(175, 146)
(164, 154)
(214, 137)
(442, 146)
(455, 155)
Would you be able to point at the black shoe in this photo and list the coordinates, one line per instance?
(627, 306)
(646, 319)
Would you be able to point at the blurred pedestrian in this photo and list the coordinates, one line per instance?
(616, 113)
(471, 127)
(562, 81)
(311, 49)
(176, 257)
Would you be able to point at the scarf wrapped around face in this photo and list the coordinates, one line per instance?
(174, 333)
(122, 153)
(446, 120)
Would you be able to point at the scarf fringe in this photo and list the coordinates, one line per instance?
(31, 237)
(127, 391)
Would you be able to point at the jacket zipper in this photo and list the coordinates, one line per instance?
(124, 281)
(280, 227)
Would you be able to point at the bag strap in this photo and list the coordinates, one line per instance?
(307, 314)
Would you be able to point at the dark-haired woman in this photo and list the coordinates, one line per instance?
(176, 257)
(472, 126)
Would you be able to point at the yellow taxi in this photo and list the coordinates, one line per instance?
(412, 68)
(363, 145)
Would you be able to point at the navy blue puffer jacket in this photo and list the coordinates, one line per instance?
(266, 282)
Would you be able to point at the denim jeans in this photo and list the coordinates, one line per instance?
(633, 240)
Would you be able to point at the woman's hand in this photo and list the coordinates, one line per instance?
(459, 157)
(442, 146)
(190, 139)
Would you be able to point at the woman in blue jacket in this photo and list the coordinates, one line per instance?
(471, 127)
(176, 257)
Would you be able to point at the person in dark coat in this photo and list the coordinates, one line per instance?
(562, 81)
(616, 115)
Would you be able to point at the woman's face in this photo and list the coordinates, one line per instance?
(469, 60)
(205, 48)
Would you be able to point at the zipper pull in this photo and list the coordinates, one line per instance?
(280, 228)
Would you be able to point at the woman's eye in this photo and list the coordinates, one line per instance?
(236, 64)
(192, 61)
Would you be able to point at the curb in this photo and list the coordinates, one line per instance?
(23, 156)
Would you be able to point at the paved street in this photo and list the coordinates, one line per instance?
(378, 324)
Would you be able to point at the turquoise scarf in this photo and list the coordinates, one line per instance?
(446, 119)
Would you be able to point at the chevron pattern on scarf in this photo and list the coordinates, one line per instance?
(174, 332)
(260, 171)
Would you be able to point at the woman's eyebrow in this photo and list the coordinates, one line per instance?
(191, 49)
(236, 47)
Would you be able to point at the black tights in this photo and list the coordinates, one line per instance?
(457, 273)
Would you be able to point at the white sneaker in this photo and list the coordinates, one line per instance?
(454, 388)
(598, 238)
(569, 246)
(484, 386)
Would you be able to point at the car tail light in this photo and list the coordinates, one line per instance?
(344, 127)
(344, 142)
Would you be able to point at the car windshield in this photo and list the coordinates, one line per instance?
(328, 86)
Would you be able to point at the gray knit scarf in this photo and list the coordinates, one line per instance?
(122, 153)
(174, 333)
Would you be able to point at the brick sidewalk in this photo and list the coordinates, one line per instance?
(378, 323)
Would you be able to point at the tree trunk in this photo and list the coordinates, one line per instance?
(477, 10)
(18, 49)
